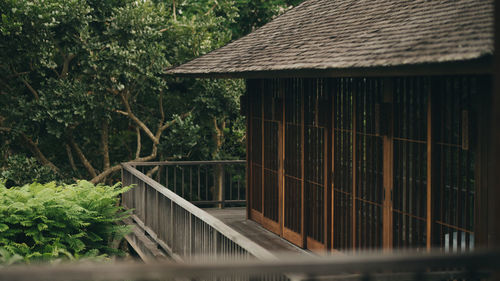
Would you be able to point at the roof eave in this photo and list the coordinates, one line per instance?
(479, 66)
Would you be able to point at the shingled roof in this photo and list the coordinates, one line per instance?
(343, 34)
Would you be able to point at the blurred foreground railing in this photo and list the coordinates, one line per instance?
(203, 183)
(375, 266)
(179, 227)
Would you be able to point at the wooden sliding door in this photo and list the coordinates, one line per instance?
(368, 166)
(365, 163)
(404, 155)
(305, 151)
(255, 140)
(358, 165)
(434, 162)
(316, 119)
(288, 178)
(265, 144)
(410, 177)
(272, 139)
(343, 155)
(455, 149)
(293, 189)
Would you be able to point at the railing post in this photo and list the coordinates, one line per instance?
(223, 187)
(191, 235)
(171, 226)
(144, 209)
(157, 212)
(216, 250)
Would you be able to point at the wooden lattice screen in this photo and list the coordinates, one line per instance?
(362, 163)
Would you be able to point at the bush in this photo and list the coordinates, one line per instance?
(50, 221)
(20, 170)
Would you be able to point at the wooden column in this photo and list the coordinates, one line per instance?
(248, 173)
(494, 144)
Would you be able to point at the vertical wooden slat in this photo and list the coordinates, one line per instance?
(302, 176)
(263, 156)
(333, 93)
(354, 166)
(429, 170)
(326, 178)
(199, 184)
(388, 178)
(281, 156)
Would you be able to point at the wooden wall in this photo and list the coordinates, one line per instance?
(361, 163)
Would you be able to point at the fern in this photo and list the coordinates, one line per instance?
(50, 221)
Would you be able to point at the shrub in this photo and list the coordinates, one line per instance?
(20, 170)
(51, 221)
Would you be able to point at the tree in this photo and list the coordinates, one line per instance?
(82, 84)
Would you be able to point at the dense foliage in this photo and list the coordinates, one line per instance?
(21, 169)
(82, 84)
(50, 221)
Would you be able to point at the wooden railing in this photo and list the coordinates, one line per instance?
(375, 266)
(179, 227)
(203, 183)
(186, 233)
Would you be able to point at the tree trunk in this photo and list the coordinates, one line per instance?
(218, 169)
(219, 185)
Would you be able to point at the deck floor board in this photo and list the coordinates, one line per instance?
(236, 219)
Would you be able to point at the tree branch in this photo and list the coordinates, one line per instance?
(81, 156)
(33, 91)
(102, 176)
(138, 150)
(152, 171)
(136, 120)
(17, 74)
(105, 144)
(70, 157)
(140, 126)
(121, 112)
(65, 69)
(161, 108)
(168, 124)
(6, 86)
(173, 10)
(28, 85)
(33, 147)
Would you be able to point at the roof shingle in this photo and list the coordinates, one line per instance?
(342, 34)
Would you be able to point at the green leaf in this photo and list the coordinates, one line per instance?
(3, 227)
(42, 226)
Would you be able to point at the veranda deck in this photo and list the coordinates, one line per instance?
(236, 219)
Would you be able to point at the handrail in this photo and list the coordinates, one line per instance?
(245, 243)
(217, 183)
(173, 163)
(377, 265)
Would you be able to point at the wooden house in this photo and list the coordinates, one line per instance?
(369, 122)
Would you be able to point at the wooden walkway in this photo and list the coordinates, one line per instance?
(236, 219)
